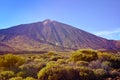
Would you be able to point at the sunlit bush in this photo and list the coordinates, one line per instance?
(5, 75)
(28, 70)
(16, 78)
(20, 74)
(86, 73)
(58, 73)
(113, 58)
(100, 74)
(61, 61)
(29, 78)
(85, 55)
(82, 63)
(51, 53)
(105, 56)
(106, 65)
(55, 58)
(10, 61)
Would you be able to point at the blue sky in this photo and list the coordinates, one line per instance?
(100, 17)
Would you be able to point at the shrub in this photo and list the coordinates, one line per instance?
(4, 75)
(107, 56)
(82, 63)
(86, 73)
(85, 55)
(113, 58)
(29, 78)
(28, 70)
(51, 53)
(61, 61)
(95, 64)
(106, 65)
(55, 58)
(51, 63)
(100, 74)
(115, 61)
(10, 61)
(16, 78)
(58, 73)
(20, 74)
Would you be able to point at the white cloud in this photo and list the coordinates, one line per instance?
(100, 33)
(110, 34)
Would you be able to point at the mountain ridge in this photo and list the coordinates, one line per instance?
(52, 35)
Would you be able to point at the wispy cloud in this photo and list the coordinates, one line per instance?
(110, 34)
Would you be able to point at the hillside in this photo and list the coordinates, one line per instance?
(50, 35)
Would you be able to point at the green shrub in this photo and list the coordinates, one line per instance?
(20, 74)
(55, 58)
(113, 58)
(51, 53)
(82, 63)
(61, 61)
(85, 55)
(115, 61)
(4, 75)
(105, 56)
(51, 63)
(108, 56)
(106, 65)
(10, 61)
(31, 69)
(29, 78)
(86, 73)
(100, 74)
(58, 73)
(16, 78)
(28, 70)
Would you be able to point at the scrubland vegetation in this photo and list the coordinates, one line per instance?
(78, 65)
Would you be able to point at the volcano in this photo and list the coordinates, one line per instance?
(51, 35)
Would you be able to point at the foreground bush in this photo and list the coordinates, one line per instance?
(20, 78)
(16, 78)
(85, 55)
(100, 74)
(29, 78)
(11, 61)
(113, 58)
(86, 73)
(58, 73)
(5, 75)
(80, 65)
(106, 65)
(28, 70)
(95, 64)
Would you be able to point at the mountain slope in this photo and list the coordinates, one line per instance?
(51, 35)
